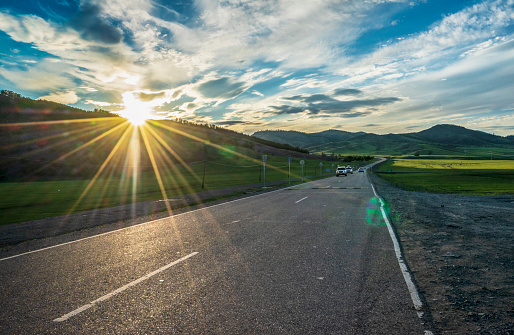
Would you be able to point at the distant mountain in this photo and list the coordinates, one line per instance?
(457, 135)
(306, 140)
(442, 139)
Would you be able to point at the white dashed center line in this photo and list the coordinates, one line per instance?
(121, 289)
(301, 200)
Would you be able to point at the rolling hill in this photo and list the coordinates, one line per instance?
(42, 140)
(441, 139)
(17, 108)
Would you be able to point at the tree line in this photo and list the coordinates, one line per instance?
(348, 158)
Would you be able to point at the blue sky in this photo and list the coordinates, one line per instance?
(364, 65)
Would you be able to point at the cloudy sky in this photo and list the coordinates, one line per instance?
(310, 65)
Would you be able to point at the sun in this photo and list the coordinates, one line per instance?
(136, 119)
(136, 111)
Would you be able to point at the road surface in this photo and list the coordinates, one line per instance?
(311, 259)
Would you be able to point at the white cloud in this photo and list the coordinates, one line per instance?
(229, 34)
(89, 89)
(45, 75)
(190, 107)
(28, 29)
(301, 83)
(63, 97)
(93, 63)
(442, 44)
(478, 85)
(214, 89)
(98, 103)
(297, 33)
(215, 59)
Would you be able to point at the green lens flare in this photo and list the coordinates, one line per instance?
(373, 213)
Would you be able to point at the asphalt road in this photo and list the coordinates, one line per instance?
(313, 259)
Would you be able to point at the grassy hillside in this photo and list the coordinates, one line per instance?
(23, 201)
(41, 140)
(54, 165)
(16, 108)
(459, 136)
(72, 150)
(305, 140)
(441, 140)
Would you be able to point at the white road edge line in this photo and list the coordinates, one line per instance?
(121, 289)
(414, 294)
(301, 200)
(130, 227)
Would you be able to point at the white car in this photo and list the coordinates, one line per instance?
(340, 171)
(349, 169)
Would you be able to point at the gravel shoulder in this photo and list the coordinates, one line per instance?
(461, 253)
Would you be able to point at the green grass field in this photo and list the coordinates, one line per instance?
(25, 201)
(479, 177)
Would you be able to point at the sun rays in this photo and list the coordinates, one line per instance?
(117, 161)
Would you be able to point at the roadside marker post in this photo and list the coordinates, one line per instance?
(264, 159)
(302, 162)
(290, 159)
(203, 179)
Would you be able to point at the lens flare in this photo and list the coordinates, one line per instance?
(373, 213)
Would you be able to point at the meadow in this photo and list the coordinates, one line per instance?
(474, 177)
(24, 201)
